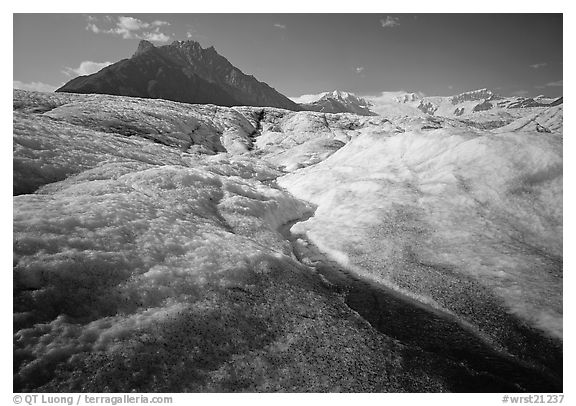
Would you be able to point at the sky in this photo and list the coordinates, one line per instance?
(436, 54)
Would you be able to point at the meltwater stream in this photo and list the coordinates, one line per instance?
(471, 363)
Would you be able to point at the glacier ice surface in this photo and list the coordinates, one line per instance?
(148, 252)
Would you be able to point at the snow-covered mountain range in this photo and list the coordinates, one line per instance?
(469, 104)
(466, 105)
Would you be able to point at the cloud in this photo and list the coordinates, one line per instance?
(281, 26)
(558, 83)
(159, 23)
(94, 28)
(37, 86)
(359, 69)
(129, 28)
(390, 22)
(85, 68)
(156, 37)
(538, 65)
(127, 24)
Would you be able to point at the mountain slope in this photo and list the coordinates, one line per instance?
(339, 102)
(182, 71)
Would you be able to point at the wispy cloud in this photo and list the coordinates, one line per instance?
(390, 22)
(280, 26)
(156, 37)
(85, 68)
(359, 69)
(93, 27)
(557, 83)
(37, 86)
(538, 65)
(129, 28)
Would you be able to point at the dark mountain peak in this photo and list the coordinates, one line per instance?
(189, 47)
(211, 50)
(191, 53)
(189, 44)
(181, 71)
(143, 47)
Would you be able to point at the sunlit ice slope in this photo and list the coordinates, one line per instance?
(147, 258)
(465, 220)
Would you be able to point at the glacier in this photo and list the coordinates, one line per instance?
(167, 247)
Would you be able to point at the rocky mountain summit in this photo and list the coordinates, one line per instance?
(182, 71)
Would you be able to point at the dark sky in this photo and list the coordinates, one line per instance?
(438, 54)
